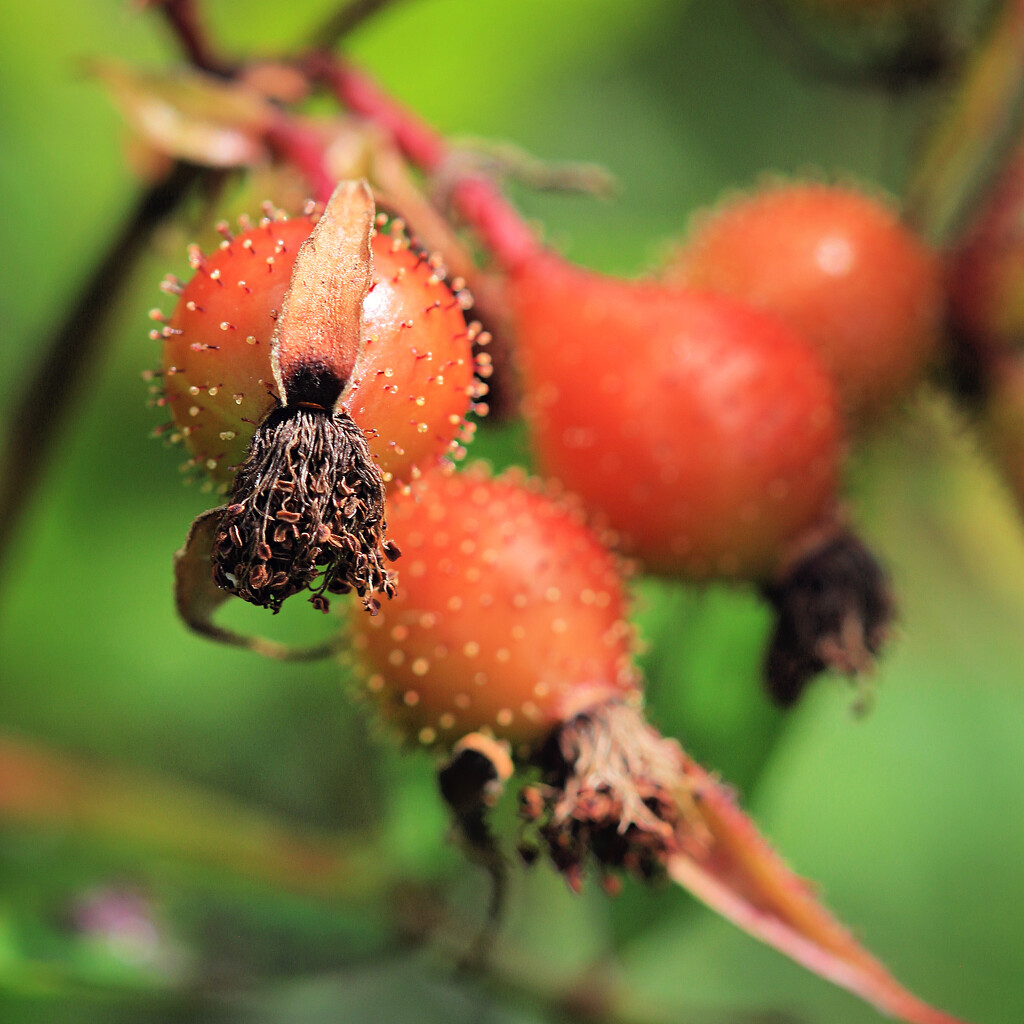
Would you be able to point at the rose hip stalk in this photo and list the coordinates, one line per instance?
(509, 635)
(707, 434)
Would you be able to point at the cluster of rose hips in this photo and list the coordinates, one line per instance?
(320, 368)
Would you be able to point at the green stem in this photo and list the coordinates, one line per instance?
(71, 354)
(343, 21)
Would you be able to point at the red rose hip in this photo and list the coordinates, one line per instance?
(838, 266)
(706, 433)
(510, 614)
(291, 345)
(410, 383)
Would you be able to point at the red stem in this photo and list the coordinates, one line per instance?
(423, 146)
(478, 200)
(304, 150)
(504, 233)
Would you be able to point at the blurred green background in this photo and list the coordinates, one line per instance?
(261, 852)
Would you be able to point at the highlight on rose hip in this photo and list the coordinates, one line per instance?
(598, 553)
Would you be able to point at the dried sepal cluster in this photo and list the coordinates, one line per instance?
(308, 514)
(834, 610)
(612, 794)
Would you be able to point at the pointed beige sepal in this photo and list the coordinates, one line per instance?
(320, 325)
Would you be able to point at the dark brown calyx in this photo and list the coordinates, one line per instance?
(834, 612)
(307, 512)
(613, 791)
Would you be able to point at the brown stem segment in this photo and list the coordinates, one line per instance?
(183, 19)
(344, 21)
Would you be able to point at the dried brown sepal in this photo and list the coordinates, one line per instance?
(197, 598)
(307, 512)
(834, 612)
(613, 792)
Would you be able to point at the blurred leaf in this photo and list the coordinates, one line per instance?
(40, 788)
(189, 115)
(986, 110)
(735, 872)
